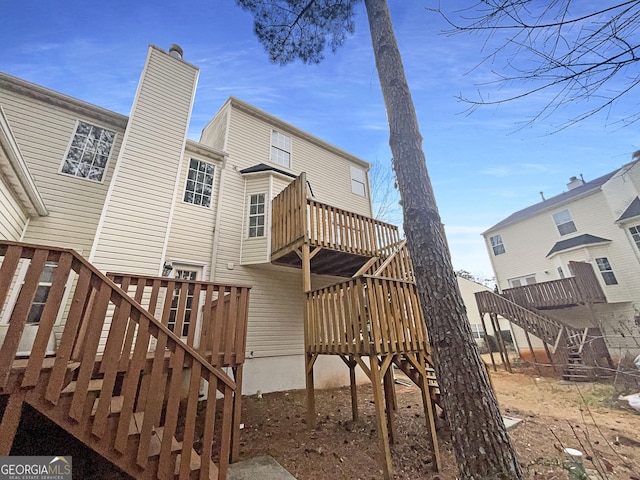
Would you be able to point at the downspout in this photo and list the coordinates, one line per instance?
(216, 227)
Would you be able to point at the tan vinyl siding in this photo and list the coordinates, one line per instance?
(43, 133)
(215, 132)
(329, 174)
(137, 216)
(192, 227)
(12, 218)
(256, 249)
(276, 311)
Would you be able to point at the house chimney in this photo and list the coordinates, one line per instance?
(575, 182)
(175, 51)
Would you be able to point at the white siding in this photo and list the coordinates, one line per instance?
(257, 249)
(12, 218)
(277, 302)
(192, 227)
(138, 211)
(43, 132)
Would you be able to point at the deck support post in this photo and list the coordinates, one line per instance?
(354, 388)
(10, 421)
(495, 323)
(376, 384)
(311, 398)
(486, 340)
(390, 403)
(533, 353)
(237, 412)
(429, 412)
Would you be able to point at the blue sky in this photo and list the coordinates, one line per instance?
(483, 166)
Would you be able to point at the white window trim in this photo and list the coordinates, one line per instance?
(493, 247)
(66, 152)
(186, 178)
(523, 280)
(264, 214)
(362, 181)
(602, 272)
(199, 268)
(572, 221)
(279, 132)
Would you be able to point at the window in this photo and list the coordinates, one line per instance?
(635, 233)
(199, 184)
(564, 222)
(521, 281)
(560, 272)
(477, 331)
(42, 293)
(88, 153)
(358, 182)
(175, 301)
(606, 271)
(280, 149)
(256, 215)
(497, 245)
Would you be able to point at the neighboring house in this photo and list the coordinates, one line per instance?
(594, 222)
(134, 195)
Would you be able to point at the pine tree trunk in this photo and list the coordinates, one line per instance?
(482, 446)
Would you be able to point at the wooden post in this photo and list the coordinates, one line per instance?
(503, 349)
(389, 396)
(429, 413)
(237, 412)
(10, 422)
(306, 268)
(380, 420)
(311, 400)
(354, 389)
(533, 353)
(486, 337)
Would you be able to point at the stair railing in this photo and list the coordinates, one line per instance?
(154, 391)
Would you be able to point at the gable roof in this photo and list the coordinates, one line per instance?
(633, 210)
(578, 241)
(583, 190)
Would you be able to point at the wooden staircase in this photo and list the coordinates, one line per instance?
(121, 381)
(372, 319)
(582, 353)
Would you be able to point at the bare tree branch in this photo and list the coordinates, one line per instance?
(557, 47)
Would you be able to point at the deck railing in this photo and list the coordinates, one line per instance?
(365, 316)
(209, 317)
(156, 388)
(296, 218)
(582, 288)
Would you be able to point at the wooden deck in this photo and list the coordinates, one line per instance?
(343, 241)
(583, 288)
(121, 381)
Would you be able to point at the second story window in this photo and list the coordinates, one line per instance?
(358, 181)
(89, 152)
(199, 186)
(606, 271)
(256, 215)
(564, 222)
(497, 245)
(280, 149)
(635, 233)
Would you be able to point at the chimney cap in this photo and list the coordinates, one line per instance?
(176, 51)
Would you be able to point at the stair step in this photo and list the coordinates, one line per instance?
(94, 386)
(156, 442)
(114, 407)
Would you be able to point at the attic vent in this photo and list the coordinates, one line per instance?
(575, 182)
(175, 51)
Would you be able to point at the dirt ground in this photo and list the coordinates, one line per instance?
(556, 414)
